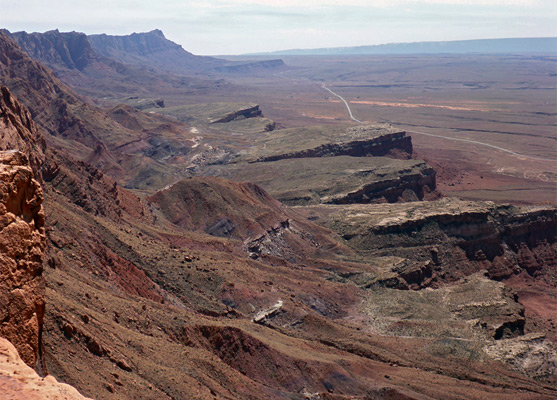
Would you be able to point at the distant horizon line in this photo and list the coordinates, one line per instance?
(310, 49)
(305, 49)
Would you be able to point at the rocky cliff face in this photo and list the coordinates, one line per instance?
(377, 143)
(250, 111)
(473, 235)
(22, 232)
(150, 49)
(69, 49)
(22, 245)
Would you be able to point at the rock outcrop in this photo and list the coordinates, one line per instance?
(19, 382)
(360, 141)
(490, 310)
(338, 180)
(531, 354)
(22, 245)
(71, 50)
(250, 111)
(458, 237)
(151, 49)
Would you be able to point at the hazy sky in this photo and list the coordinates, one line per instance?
(242, 26)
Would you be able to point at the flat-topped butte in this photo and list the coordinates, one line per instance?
(320, 141)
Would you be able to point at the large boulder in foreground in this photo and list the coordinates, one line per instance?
(22, 246)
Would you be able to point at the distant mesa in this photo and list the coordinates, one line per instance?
(339, 179)
(335, 165)
(223, 116)
(512, 45)
(251, 111)
(361, 141)
(144, 104)
(251, 66)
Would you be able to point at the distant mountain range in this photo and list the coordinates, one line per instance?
(128, 55)
(147, 62)
(516, 45)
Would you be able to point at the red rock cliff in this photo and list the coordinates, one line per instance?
(22, 245)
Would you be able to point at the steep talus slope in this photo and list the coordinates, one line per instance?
(67, 120)
(18, 131)
(211, 292)
(87, 133)
(192, 344)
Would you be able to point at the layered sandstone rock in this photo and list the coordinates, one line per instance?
(249, 111)
(22, 245)
(458, 237)
(358, 141)
(337, 180)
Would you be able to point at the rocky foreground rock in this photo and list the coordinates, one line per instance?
(22, 245)
(20, 382)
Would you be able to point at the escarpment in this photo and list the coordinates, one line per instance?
(250, 111)
(22, 246)
(361, 141)
(456, 237)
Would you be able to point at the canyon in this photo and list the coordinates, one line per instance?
(162, 242)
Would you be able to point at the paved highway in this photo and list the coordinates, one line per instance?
(324, 86)
(345, 102)
(443, 137)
